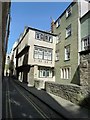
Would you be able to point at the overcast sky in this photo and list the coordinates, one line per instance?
(34, 14)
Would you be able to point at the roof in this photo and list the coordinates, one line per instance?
(72, 3)
(35, 29)
(42, 31)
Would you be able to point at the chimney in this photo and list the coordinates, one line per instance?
(52, 26)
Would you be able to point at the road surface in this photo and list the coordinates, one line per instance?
(19, 103)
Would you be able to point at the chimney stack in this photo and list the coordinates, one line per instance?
(52, 26)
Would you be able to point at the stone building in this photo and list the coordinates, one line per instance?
(5, 30)
(6, 69)
(35, 56)
(12, 65)
(72, 65)
(68, 44)
(4, 33)
(85, 50)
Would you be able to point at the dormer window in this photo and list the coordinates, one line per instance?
(58, 23)
(37, 36)
(68, 12)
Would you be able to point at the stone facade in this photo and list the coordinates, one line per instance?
(31, 76)
(72, 41)
(73, 93)
(85, 70)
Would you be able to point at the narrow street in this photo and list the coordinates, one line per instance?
(19, 103)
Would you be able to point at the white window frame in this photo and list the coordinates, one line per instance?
(36, 51)
(37, 34)
(45, 70)
(57, 55)
(67, 52)
(68, 12)
(65, 73)
(68, 31)
(43, 53)
(40, 54)
(58, 38)
(58, 23)
(85, 43)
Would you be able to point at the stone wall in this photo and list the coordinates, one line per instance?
(73, 93)
(31, 76)
(85, 69)
(39, 84)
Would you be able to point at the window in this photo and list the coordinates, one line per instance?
(37, 35)
(36, 53)
(58, 23)
(86, 43)
(42, 73)
(49, 54)
(45, 72)
(42, 53)
(58, 38)
(50, 39)
(45, 55)
(65, 73)
(68, 31)
(67, 52)
(43, 37)
(68, 12)
(57, 55)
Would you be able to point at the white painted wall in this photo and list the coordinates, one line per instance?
(85, 7)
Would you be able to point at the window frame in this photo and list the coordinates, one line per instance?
(68, 31)
(57, 55)
(45, 70)
(42, 37)
(67, 53)
(58, 22)
(45, 52)
(58, 38)
(65, 73)
(68, 12)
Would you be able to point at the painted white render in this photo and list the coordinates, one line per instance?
(84, 7)
(29, 40)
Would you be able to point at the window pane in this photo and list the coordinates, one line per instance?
(40, 54)
(45, 55)
(49, 53)
(35, 53)
(67, 52)
(44, 73)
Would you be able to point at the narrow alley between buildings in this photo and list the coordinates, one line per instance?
(19, 103)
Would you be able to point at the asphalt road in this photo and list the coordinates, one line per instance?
(19, 103)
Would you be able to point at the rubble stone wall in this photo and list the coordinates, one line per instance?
(85, 70)
(73, 93)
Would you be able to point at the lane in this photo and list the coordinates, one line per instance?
(21, 104)
(46, 110)
(18, 106)
(43, 108)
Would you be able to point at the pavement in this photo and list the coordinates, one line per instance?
(58, 104)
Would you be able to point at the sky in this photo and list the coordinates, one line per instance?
(34, 14)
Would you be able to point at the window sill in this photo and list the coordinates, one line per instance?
(56, 60)
(66, 60)
(64, 79)
(68, 36)
(58, 27)
(68, 16)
